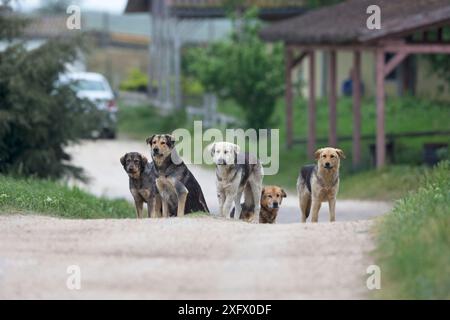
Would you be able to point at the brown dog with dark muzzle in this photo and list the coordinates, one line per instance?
(271, 199)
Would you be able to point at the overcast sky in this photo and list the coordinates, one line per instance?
(113, 6)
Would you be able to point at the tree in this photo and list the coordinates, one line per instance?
(38, 117)
(243, 68)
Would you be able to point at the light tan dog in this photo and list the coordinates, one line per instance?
(319, 183)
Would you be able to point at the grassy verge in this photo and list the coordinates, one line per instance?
(414, 242)
(52, 198)
(391, 183)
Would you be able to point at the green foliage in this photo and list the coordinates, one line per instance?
(52, 198)
(390, 183)
(440, 63)
(136, 81)
(38, 118)
(321, 3)
(142, 121)
(414, 242)
(244, 69)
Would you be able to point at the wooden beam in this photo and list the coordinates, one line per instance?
(312, 106)
(356, 82)
(329, 47)
(394, 62)
(419, 48)
(380, 96)
(299, 59)
(289, 97)
(332, 131)
(440, 34)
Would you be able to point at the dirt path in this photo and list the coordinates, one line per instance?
(189, 258)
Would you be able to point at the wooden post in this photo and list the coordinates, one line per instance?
(288, 96)
(332, 133)
(380, 136)
(356, 82)
(312, 106)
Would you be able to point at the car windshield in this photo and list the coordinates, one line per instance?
(89, 85)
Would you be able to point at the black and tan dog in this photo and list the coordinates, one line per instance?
(319, 183)
(142, 183)
(176, 185)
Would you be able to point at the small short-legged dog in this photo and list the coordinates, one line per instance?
(271, 199)
(320, 183)
(142, 183)
(178, 188)
(237, 174)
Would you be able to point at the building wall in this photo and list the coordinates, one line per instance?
(427, 85)
(116, 63)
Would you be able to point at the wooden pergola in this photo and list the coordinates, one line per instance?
(407, 27)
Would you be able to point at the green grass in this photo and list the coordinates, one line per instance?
(391, 183)
(140, 122)
(414, 242)
(52, 198)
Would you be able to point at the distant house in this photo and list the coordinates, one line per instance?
(380, 57)
(413, 75)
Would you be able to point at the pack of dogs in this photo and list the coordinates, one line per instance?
(170, 189)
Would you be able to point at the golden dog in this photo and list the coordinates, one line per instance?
(319, 183)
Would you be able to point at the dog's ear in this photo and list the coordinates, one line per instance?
(317, 154)
(122, 159)
(263, 191)
(149, 139)
(212, 149)
(237, 149)
(340, 153)
(144, 160)
(170, 140)
(283, 193)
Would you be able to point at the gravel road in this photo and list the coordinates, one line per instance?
(189, 258)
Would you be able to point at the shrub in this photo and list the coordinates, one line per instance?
(136, 81)
(38, 118)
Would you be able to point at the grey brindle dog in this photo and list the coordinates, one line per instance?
(237, 174)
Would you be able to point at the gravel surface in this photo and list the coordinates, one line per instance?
(190, 258)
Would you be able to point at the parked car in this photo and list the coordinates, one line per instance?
(95, 88)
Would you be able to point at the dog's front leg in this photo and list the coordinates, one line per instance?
(227, 207)
(316, 203)
(332, 208)
(182, 193)
(158, 207)
(161, 186)
(139, 204)
(151, 207)
(256, 190)
(221, 198)
(237, 205)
